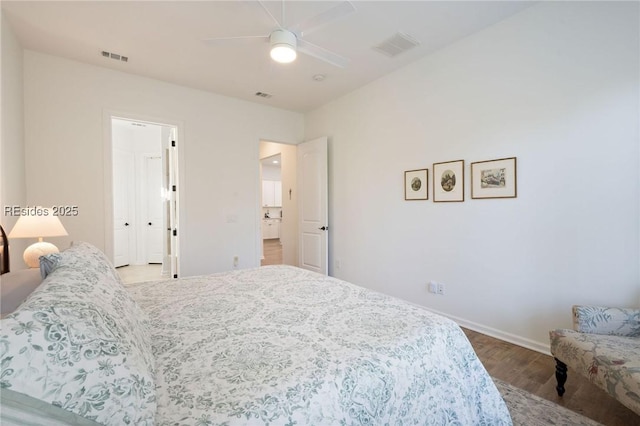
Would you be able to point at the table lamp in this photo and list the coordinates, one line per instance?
(40, 225)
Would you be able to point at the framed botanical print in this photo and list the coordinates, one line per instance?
(448, 181)
(416, 184)
(494, 178)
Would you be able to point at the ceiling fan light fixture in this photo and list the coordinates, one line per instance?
(283, 46)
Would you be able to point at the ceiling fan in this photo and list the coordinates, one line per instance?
(285, 42)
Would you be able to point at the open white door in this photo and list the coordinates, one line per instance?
(313, 209)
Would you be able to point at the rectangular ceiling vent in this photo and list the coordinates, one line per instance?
(114, 56)
(263, 95)
(396, 44)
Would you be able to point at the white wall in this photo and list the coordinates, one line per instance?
(65, 103)
(557, 87)
(13, 190)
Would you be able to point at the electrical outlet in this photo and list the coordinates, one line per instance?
(441, 289)
(338, 263)
(433, 287)
(236, 261)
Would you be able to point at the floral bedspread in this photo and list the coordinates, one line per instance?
(282, 345)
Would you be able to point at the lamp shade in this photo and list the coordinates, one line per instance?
(41, 224)
(38, 224)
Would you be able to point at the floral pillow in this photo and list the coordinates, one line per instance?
(606, 320)
(81, 343)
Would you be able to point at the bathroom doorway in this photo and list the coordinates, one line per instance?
(271, 210)
(144, 203)
(278, 204)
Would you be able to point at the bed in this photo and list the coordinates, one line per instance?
(273, 345)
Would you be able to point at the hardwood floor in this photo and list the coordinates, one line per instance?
(535, 373)
(272, 251)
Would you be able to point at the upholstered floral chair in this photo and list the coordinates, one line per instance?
(604, 346)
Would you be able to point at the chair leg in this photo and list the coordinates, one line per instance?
(561, 376)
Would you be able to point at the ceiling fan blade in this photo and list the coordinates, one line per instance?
(278, 24)
(343, 9)
(322, 54)
(220, 40)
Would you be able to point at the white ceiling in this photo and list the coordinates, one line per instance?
(164, 40)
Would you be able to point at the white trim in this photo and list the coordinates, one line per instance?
(543, 348)
(501, 335)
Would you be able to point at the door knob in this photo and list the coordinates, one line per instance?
(324, 228)
(149, 223)
(126, 224)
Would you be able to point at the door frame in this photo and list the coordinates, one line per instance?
(107, 116)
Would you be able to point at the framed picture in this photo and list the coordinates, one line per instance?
(494, 178)
(416, 184)
(448, 181)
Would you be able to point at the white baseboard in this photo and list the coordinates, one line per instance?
(507, 337)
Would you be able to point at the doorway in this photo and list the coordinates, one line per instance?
(278, 204)
(144, 208)
(271, 210)
(304, 202)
